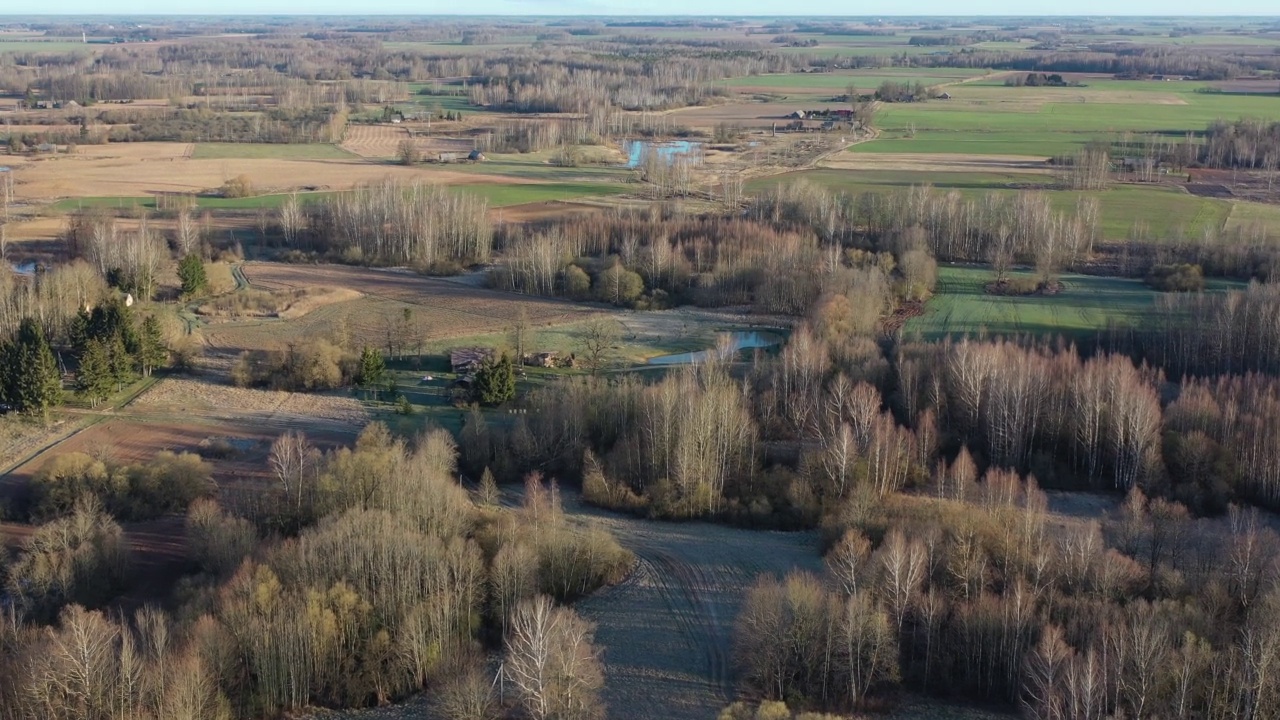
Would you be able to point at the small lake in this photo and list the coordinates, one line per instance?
(667, 150)
(734, 343)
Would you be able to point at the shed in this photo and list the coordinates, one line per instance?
(476, 156)
(467, 360)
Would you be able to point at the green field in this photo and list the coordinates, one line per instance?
(498, 196)
(1162, 209)
(867, 81)
(1086, 305)
(987, 118)
(270, 151)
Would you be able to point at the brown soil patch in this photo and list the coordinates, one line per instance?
(746, 114)
(940, 162)
(383, 141)
(533, 212)
(901, 315)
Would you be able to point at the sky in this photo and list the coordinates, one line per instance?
(639, 7)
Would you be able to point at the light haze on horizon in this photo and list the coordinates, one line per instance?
(733, 8)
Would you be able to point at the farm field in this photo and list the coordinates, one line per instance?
(839, 81)
(1160, 209)
(985, 118)
(1087, 304)
(273, 151)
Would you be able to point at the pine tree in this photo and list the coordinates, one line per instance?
(34, 383)
(120, 362)
(372, 367)
(496, 381)
(95, 378)
(152, 352)
(191, 273)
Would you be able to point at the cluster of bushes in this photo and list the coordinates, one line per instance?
(313, 365)
(167, 483)
(1178, 277)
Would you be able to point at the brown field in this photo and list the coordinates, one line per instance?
(532, 212)
(141, 169)
(747, 114)
(440, 308)
(929, 162)
(383, 141)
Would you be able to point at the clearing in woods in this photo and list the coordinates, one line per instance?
(1086, 304)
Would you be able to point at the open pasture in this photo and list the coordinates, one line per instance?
(1087, 304)
(961, 306)
(438, 308)
(994, 119)
(1159, 209)
(839, 81)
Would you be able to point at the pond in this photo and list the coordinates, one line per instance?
(729, 345)
(27, 269)
(667, 150)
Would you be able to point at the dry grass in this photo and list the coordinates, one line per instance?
(286, 304)
(142, 169)
(204, 397)
(438, 308)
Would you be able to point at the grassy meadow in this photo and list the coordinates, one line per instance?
(1160, 209)
(1087, 304)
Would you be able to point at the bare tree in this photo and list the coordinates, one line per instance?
(551, 663)
(599, 336)
(291, 218)
(294, 461)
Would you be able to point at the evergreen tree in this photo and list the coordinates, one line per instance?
(33, 382)
(191, 273)
(120, 361)
(95, 379)
(496, 381)
(372, 367)
(110, 319)
(152, 352)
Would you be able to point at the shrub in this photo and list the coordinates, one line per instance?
(82, 558)
(168, 483)
(237, 187)
(218, 542)
(1177, 277)
(315, 365)
(577, 284)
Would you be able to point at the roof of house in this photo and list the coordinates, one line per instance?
(464, 358)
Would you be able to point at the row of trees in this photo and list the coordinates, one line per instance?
(422, 225)
(630, 257)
